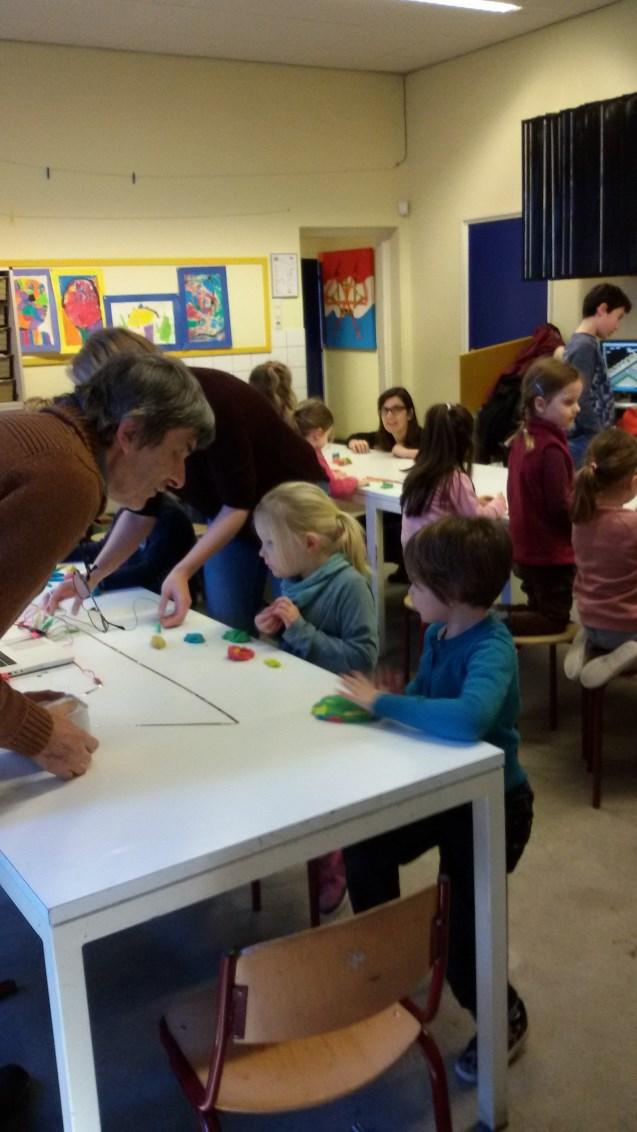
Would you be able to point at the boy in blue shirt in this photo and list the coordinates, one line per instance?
(466, 688)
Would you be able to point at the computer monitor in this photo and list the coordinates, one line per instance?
(620, 359)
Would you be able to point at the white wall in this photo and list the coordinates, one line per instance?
(465, 163)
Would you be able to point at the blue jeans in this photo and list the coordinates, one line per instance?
(234, 581)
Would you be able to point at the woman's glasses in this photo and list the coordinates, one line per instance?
(83, 590)
(392, 410)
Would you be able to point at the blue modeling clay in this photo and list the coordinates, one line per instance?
(194, 638)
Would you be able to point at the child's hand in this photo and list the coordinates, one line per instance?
(267, 621)
(364, 481)
(403, 453)
(389, 680)
(358, 446)
(358, 688)
(286, 610)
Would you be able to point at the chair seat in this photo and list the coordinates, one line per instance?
(566, 636)
(292, 1075)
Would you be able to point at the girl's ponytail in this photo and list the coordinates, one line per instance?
(610, 458)
(351, 542)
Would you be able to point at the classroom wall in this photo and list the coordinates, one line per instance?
(464, 163)
(231, 159)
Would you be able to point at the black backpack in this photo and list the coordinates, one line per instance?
(498, 419)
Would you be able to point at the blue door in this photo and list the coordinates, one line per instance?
(501, 304)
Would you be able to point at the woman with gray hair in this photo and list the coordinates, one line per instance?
(126, 432)
(253, 451)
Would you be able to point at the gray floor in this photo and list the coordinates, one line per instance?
(573, 955)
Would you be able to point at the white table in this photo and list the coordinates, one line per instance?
(488, 479)
(175, 811)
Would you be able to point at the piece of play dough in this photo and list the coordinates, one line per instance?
(236, 652)
(194, 638)
(157, 641)
(237, 636)
(386, 486)
(336, 709)
(272, 662)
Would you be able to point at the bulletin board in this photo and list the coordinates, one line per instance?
(189, 307)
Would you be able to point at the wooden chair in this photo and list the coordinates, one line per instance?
(307, 1019)
(550, 641)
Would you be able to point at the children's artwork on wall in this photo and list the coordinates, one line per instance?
(204, 298)
(348, 299)
(36, 315)
(81, 311)
(156, 317)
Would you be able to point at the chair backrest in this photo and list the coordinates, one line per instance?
(338, 974)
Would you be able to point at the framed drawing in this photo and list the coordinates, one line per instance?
(349, 305)
(204, 300)
(80, 306)
(36, 314)
(156, 317)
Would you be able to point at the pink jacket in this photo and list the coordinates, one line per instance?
(461, 499)
(341, 487)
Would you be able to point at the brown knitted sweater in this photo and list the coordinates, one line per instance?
(51, 490)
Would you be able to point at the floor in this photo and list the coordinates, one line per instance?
(573, 957)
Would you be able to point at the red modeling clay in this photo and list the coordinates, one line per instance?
(238, 652)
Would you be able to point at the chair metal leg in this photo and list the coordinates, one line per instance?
(553, 687)
(255, 889)
(438, 1079)
(586, 728)
(596, 744)
(313, 892)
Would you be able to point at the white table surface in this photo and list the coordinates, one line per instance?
(202, 787)
(488, 479)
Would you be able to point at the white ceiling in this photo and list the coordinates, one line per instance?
(366, 35)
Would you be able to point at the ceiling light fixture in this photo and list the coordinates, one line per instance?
(478, 5)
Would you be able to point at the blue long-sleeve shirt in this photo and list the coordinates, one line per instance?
(337, 628)
(466, 689)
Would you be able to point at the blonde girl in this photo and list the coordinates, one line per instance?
(326, 612)
(315, 422)
(274, 381)
(539, 489)
(605, 542)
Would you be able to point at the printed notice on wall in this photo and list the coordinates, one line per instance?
(285, 275)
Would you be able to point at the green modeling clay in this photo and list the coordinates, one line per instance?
(237, 636)
(336, 709)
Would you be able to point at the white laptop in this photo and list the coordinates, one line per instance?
(20, 652)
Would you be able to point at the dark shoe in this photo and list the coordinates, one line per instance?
(14, 1083)
(466, 1066)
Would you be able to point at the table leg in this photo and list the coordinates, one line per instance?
(71, 1028)
(491, 954)
(376, 557)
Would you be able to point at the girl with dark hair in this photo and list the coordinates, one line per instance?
(440, 481)
(398, 430)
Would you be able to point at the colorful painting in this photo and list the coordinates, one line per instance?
(349, 307)
(36, 316)
(156, 317)
(204, 298)
(80, 306)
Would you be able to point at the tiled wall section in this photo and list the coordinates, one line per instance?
(287, 346)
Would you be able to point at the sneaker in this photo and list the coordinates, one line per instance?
(576, 656)
(603, 668)
(14, 1083)
(466, 1066)
(332, 882)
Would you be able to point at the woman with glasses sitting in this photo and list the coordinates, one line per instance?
(398, 430)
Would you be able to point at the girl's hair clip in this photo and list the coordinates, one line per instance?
(592, 464)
